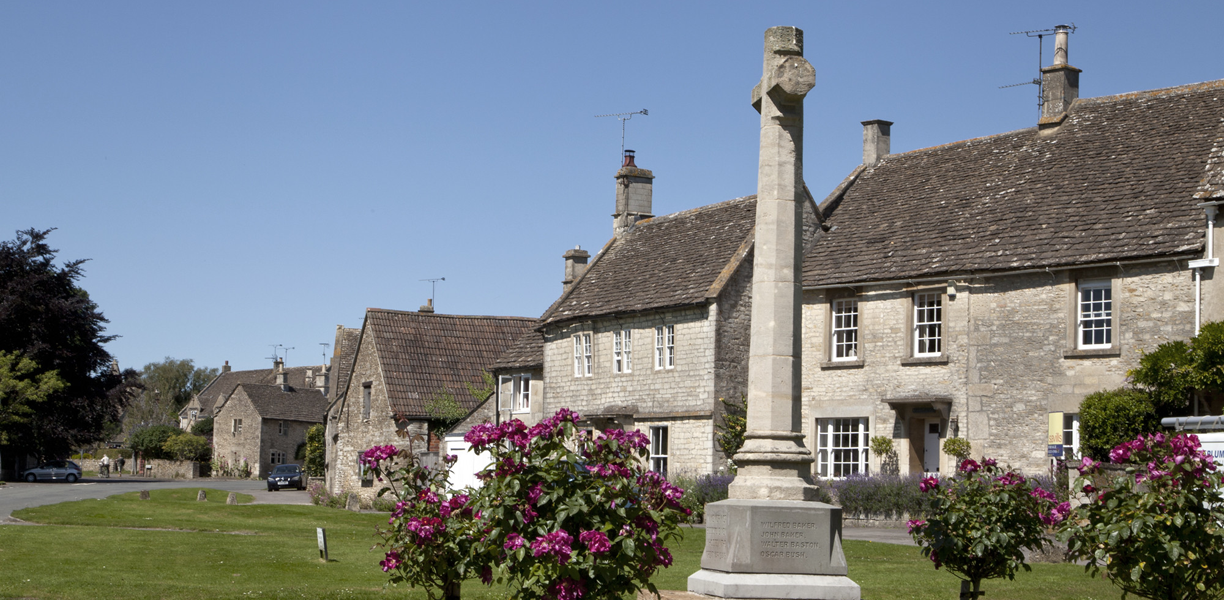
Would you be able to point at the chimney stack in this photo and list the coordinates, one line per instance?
(877, 138)
(1059, 83)
(427, 307)
(322, 380)
(225, 368)
(282, 378)
(575, 266)
(634, 191)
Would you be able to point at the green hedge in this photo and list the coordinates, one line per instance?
(1112, 417)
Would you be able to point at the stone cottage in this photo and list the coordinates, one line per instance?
(264, 424)
(654, 331)
(343, 352)
(202, 404)
(983, 288)
(402, 363)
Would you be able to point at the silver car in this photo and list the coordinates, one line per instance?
(53, 470)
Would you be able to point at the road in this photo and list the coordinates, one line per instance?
(19, 495)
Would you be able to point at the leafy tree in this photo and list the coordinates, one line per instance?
(185, 446)
(444, 411)
(316, 450)
(168, 387)
(1112, 417)
(150, 442)
(1178, 372)
(21, 391)
(50, 320)
(203, 427)
(730, 437)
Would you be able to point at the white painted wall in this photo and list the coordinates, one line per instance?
(469, 463)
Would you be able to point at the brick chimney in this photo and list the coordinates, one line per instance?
(282, 378)
(1059, 83)
(575, 266)
(633, 195)
(225, 368)
(427, 307)
(877, 138)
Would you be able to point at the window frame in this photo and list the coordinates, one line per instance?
(622, 351)
(855, 345)
(367, 399)
(519, 400)
(1073, 420)
(659, 351)
(659, 448)
(236, 426)
(670, 332)
(583, 360)
(282, 428)
(1107, 317)
(831, 465)
(274, 455)
(917, 324)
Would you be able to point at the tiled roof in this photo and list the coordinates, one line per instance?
(225, 383)
(1116, 181)
(342, 360)
(297, 404)
(663, 262)
(526, 352)
(423, 354)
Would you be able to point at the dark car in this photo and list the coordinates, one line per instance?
(52, 470)
(286, 476)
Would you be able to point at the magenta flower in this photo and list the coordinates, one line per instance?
(567, 589)
(514, 541)
(596, 541)
(928, 484)
(915, 524)
(392, 561)
(377, 454)
(969, 466)
(1120, 454)
(989, 462)
(533, 495)
(1043, 494)
(486, 575)
(556, 543)
(1088, 465)
(425, 527)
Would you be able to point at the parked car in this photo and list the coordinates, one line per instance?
(286, 476)
(52, 470)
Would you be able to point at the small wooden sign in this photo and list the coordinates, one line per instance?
(322, 543)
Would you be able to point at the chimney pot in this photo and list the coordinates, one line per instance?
(1060, 44)
(629, 159)
(877, 140)
(1059, 83)
(428, 307)
(575, 266)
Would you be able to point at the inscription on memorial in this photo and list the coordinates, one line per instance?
(769, 537)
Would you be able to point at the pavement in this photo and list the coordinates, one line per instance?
(19, 495)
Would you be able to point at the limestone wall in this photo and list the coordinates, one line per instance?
(234, 447)
(734, 315)
(1009, 356)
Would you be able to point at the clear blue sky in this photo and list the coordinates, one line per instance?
(247, 174)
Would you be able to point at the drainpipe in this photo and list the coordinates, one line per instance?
(1209, 260)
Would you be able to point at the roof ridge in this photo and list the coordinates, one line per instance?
(702, 208)
(435, 315)
(1188, 87)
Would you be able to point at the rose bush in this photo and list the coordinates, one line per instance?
(568, 514)
(1158, 530)
(980, 521)
(561, 514)
(430, 537)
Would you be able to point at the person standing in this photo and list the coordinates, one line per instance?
(104, 466)
(120, 463)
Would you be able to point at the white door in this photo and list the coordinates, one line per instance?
(930, 448)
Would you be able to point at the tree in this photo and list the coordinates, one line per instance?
(730, 436)
(316, 450)
(444, 411)
(150, 442)
(48, 318)
(203, 427)
(185, 446)
(1177, 373)
(168, 386)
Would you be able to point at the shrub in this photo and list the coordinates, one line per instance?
(1113, 417)
(203, 427)
(981, 520)
(882, 446)
(702, 491)
(150, 442)
(316, 451)
(1159, 531)
(186, 446)
(958, 447)
(881, 496)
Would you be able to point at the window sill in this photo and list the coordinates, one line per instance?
(1093, 353)
(842, 364)
(924, 360)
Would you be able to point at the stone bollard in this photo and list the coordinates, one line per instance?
(353, 503)
(144, 494)
(201, 496)
(232, 499)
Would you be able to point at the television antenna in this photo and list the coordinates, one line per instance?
(275, 352)
(326, 347)
(1040, 35)
(433, 289)
(622, 117)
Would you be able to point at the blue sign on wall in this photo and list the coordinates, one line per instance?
(1055, 450)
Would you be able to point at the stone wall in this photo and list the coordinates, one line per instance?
(233, 447)
(689, 444)
(732, 336)
(273, 439)
(1009, 356)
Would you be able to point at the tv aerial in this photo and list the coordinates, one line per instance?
(1040, 35)
(433, 288)
(622, 117)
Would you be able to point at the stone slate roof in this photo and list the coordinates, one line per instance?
(221, 386)
(527, 352)
(664, 262)
(1116, 181)
(342, 358)
(422, 354)
(297, 404)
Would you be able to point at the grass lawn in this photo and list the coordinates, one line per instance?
(175, 547)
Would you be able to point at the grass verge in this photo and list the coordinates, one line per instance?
(175, 547)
